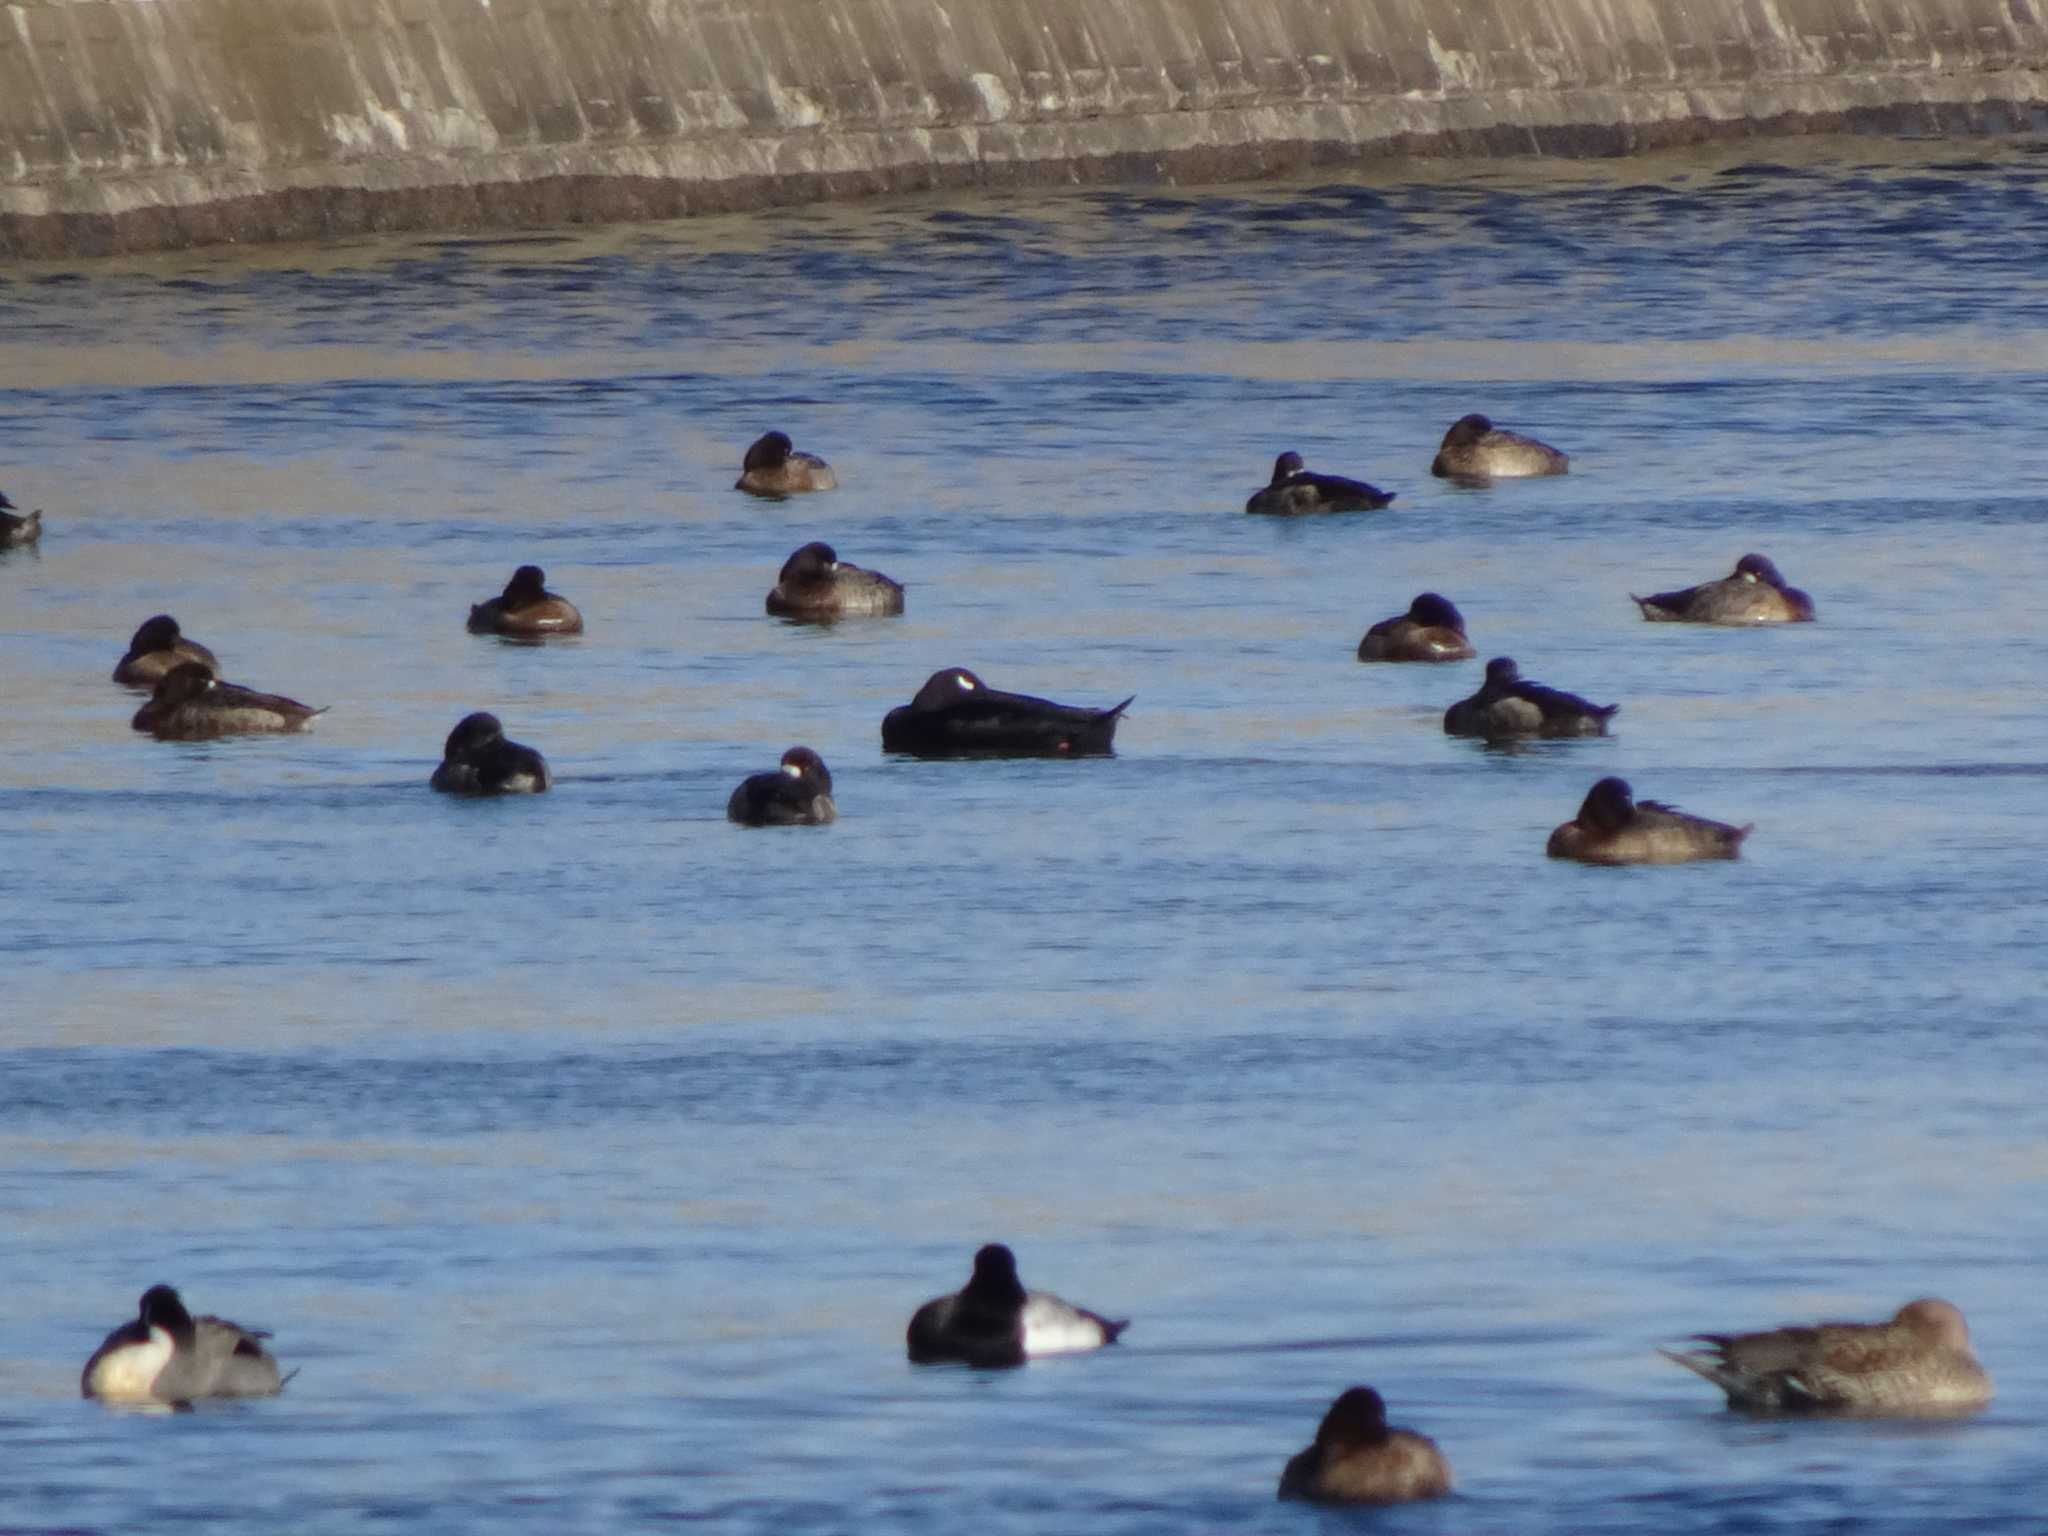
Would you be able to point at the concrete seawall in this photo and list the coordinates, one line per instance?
(142, 124)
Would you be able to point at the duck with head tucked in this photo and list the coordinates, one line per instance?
(774, 467)
(1358, 1458)
(157, 646)
(956, 714)
(526, 610)
(1613, 827)
(816, 586)
(992, 1322)
(191, 704)
(1509, 705)
(797, 794)
(1431, 630)
(1476, 452)
(1293, 490)
(1753, 593)
(166, 1355)
(16, 529)
(478, 760)
(1919, 1364)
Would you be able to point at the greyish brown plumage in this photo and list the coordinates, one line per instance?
(1358, 1458)
(1918, 1364)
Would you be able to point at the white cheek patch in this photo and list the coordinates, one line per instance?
(792, 770)
(965, 682)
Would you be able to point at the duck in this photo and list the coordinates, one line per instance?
(1358, 1458)
(526, 610)
(992, 1322)
(191, 704)
(1431, 630)
(156, 647)
(1294, 490)
(478, 760)
(1475, 451)
(775, 468)
(1509, 705)
(798, 794)
(956, 714)
(166, 1355)
(17, 529)
(1753, 593)
(1917, 1364)
(815, 585)
(1613, 827)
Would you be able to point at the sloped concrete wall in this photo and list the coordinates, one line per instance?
(128, 124)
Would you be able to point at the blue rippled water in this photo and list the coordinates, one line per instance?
(588, 1154)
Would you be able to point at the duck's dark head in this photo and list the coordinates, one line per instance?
(1288, 464)
(472, 733)
(804, 765)
(814, 562)
(187, 680)
(947, 687)
(529, 584)
(157, 634)
(995, 1275)
(161, 1308)
(1502, 671)
(1436, 612)
(771, 450)
(1609, 805)
(1467, 430)
(1358, 1417)
(1759, 568)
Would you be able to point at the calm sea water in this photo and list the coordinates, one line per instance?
(588, 1154)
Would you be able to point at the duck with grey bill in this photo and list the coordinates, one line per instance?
(17, 529)
(816, 587)
(1613, 827)
(526, 610)
(1293, 491)
(157, 646)
(1919, 1364)
(774, 468)
(1753, 593)
(478, 760)
(191, 704)
(993, 1322)
(798, 794)
(956, 714)
(1476, 453)
(1358, 1458)
(1508, 706)
(166, 1355)
(1431, 630)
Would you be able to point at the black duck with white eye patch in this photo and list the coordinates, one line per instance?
(157, 646)
(993, 1322)
(775, 467)
(816, 587)
(1293, 491)
(1753, 593)
(1476, 452)
(1613, 827)
(165, 1355)
(478, 760)
(796, 794)
(1431, 630)
(1358, 1458)
(1508, 706)
(956, 714)
(526, 610)
(191, 704)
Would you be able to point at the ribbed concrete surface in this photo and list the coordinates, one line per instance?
(140, 123)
